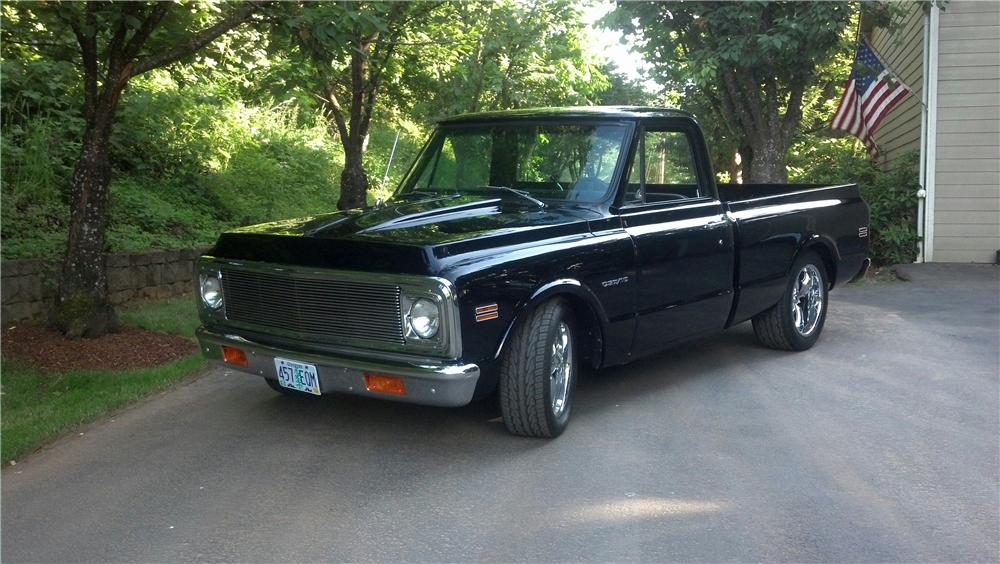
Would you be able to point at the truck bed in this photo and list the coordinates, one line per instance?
(734, 193)
(774, 221)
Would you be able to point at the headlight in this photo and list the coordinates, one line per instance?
(211, 290)
(424, 318)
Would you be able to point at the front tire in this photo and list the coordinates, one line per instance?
(796, 321)
(538, 372)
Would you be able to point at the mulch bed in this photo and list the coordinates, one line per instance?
(129, 348)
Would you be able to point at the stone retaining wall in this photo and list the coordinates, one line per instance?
(28, 286)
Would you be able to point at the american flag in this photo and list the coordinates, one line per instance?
(869, 95)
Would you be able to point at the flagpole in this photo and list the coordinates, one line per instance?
(857, 32)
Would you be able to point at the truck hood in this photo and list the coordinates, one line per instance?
(412, 237)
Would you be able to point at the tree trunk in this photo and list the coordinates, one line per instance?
(733, 168)
(83, 308)
(353, 181)
(746, 162)
(769, 164)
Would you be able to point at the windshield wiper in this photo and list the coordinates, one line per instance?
(522, 193)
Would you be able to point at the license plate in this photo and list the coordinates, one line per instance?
(297, 376)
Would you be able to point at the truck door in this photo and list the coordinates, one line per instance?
(683, 239)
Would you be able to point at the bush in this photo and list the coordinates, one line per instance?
(37, 167)
(189, 162)
(892, 197)
(891, 194)
(380, 142)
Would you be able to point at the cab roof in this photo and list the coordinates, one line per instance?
(612, 112)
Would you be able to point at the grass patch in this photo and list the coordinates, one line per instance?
(172, 315)
(40, 405)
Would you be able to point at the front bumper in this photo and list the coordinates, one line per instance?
(441, 384)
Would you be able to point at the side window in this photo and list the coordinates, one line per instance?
(666, 170)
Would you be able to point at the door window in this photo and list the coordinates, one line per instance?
(663, 168)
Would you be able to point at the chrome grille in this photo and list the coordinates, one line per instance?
(327, 308)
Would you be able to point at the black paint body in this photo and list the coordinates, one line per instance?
(641, 277)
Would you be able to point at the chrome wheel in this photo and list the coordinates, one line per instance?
(807, 300)
(562, 368)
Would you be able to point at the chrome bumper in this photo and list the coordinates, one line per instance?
(444, 384)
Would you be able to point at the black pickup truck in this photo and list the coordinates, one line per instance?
(520, 246)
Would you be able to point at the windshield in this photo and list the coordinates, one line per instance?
(547, 161)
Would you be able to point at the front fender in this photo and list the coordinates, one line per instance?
(582, 297)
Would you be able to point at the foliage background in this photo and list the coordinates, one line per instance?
(232, 139)
(190, 159)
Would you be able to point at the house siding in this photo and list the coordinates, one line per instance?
(967, 179)
(902, 50)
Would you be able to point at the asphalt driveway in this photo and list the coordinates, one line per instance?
(881, 443)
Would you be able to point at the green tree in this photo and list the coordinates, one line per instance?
(622, 90)
(752, 62)
(511, 54)
(109, 43)
(353, 50)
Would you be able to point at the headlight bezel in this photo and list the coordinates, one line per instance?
(447, 340)
(214, 278)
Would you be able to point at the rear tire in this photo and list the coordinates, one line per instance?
(538, 372)
(796, 321)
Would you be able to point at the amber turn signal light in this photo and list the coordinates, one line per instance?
(233, 355)
(385, 384)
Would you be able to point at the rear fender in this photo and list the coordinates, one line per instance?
(827, 250)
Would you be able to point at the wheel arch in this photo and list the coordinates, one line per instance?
(827, 251)
(591, 318)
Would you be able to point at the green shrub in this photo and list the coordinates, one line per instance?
(892, 197)
(38, 161)
(190, 160)
(891, 194)
(380, 142)
(32, 228)
(188, 163)
(283, 167)
(152, 213)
